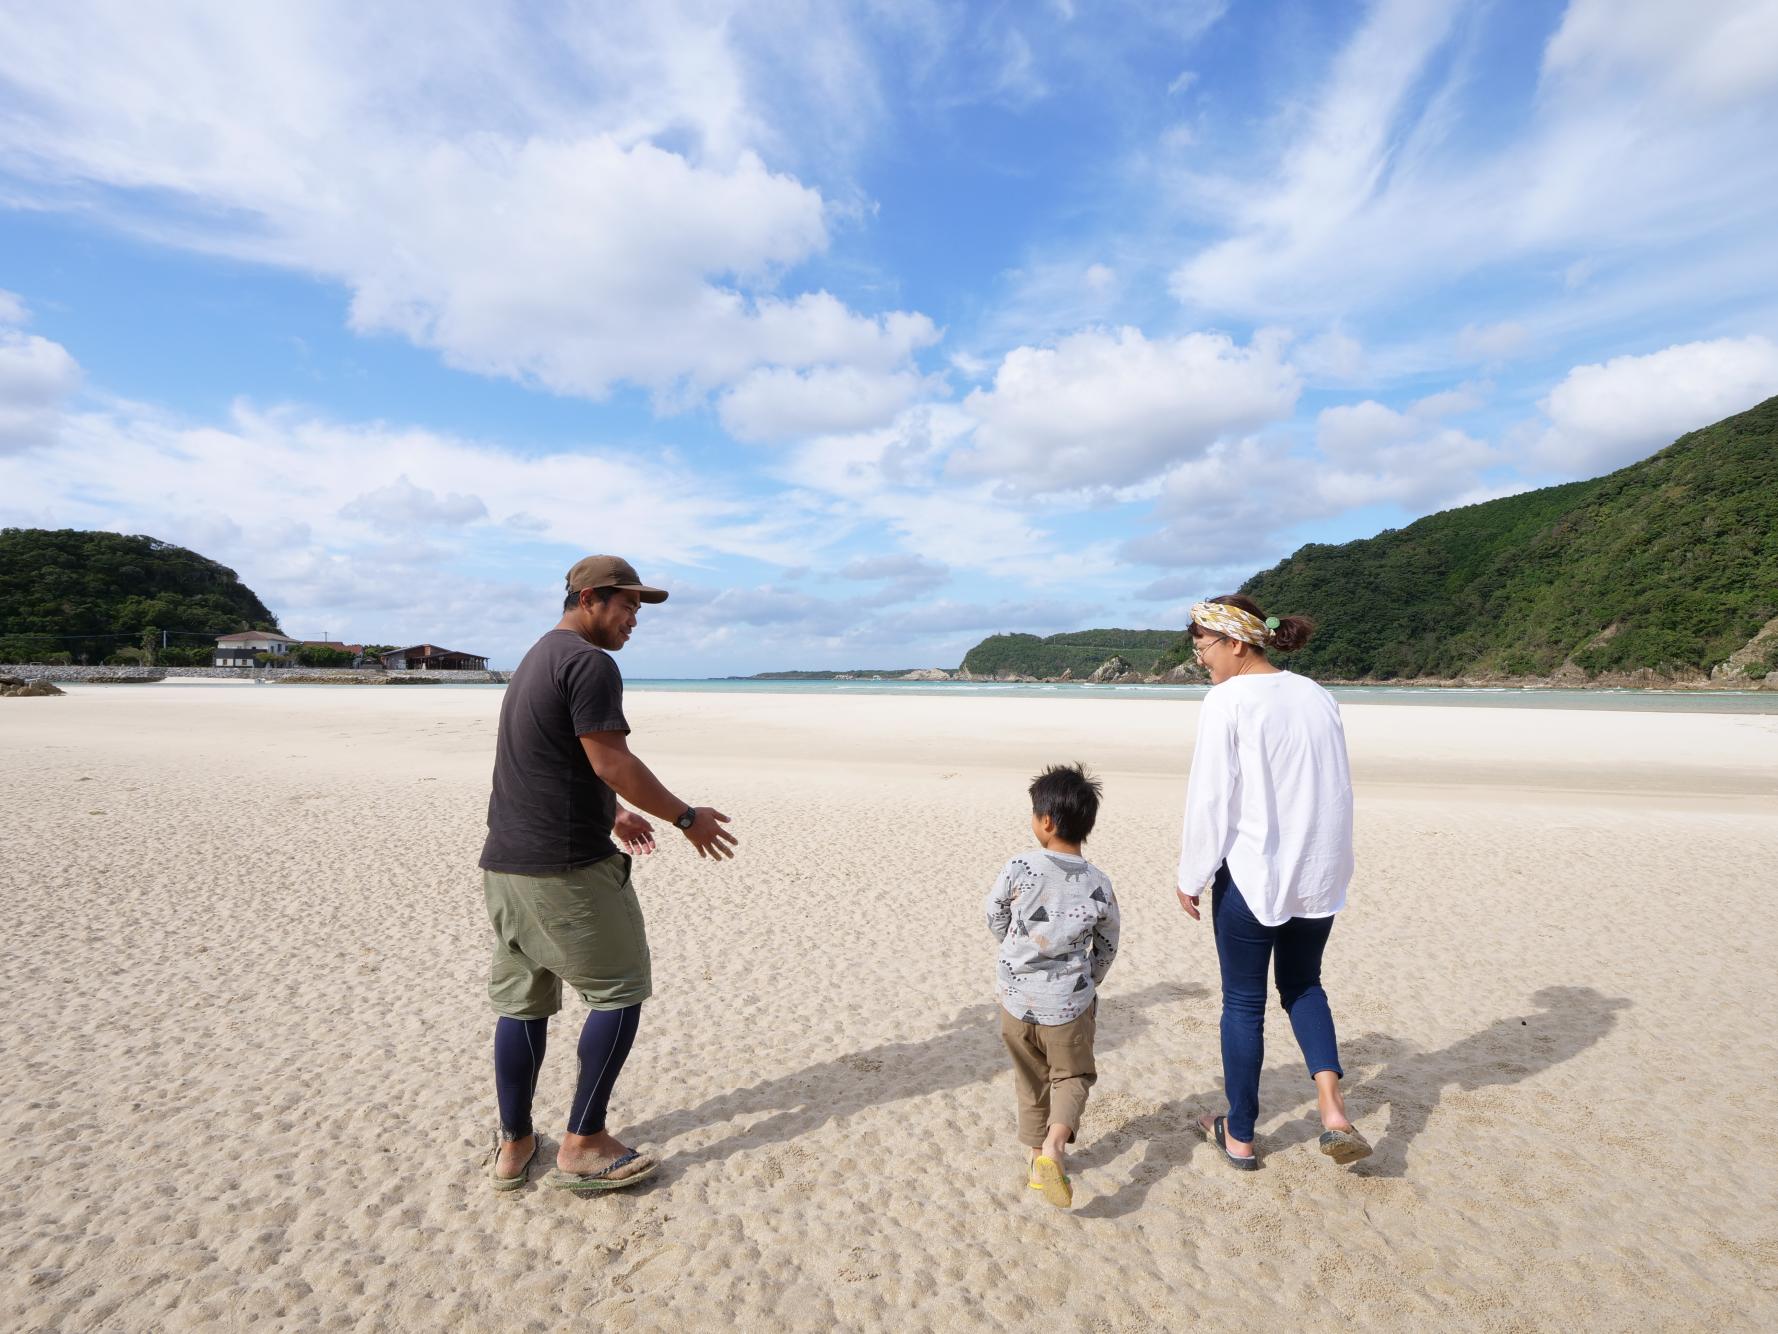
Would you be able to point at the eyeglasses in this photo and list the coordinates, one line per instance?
(1198, 643)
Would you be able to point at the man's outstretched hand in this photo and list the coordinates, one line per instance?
(708, 836)
(633, 834)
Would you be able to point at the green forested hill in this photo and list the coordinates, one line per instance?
(1669, 564)
(1080, 652)
(90, 594)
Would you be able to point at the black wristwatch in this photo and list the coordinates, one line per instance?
(688, 819)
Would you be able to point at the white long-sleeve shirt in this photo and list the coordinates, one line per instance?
(1271, 794)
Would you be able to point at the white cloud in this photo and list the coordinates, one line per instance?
(1048, 297)
(36, 376)
(971, 529)
(1226, 508)
(1400, 182)
(1719, 52)
(1111, 407)
(1352, 432)
(1328, 174)
(573, 202)
(1169, 588)
(1381, 456)
(401, 504)
(1490, 342)
(866, 467)
(1332, 355)
(778, 403)
(1466, 397)
(900, 577)
(894, 565)
(1233, 507)
(12, 308)
(893, 479)
(1604, 416)
(1016, 81)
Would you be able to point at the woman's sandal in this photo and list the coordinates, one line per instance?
(590, 1183)
(1345, 1146)
(1048, 1177)
(1216, 1133)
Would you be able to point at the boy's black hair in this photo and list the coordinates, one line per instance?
(1070, 797)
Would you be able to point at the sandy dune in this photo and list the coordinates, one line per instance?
(244, 1068)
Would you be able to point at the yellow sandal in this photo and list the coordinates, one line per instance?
(1048, 1177)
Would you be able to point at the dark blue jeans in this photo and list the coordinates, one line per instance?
(1243, 947)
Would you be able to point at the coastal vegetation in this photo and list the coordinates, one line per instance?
(1669, 565)
(73, 596)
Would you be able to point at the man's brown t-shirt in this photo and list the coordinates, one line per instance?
(549, 811)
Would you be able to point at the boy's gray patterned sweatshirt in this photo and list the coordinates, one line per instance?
(1056, 919)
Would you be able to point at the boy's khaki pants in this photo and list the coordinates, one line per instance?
(1052, 1069)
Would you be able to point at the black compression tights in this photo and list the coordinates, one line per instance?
(518, 1055)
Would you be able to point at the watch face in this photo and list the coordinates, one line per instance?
(687, 820)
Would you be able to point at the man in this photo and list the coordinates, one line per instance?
(558, 889)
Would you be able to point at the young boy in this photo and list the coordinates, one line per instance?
(1056, 919)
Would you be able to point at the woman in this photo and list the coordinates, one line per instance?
(1268, 819)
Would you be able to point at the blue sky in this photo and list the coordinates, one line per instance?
(867, 330)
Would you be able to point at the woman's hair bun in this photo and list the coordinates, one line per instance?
(1292, 633)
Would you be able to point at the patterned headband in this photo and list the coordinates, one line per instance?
(1233, 622)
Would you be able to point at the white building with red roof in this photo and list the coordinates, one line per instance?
(242, 650)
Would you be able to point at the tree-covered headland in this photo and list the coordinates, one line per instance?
(92, 596)
(1670, 564)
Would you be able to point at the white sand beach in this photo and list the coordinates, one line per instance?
(245, 1065)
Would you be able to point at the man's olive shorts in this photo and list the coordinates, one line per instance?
(582, 927)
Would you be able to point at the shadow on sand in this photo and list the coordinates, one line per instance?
(1408, 1080)
(967, 1051)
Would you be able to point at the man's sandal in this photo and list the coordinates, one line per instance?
(591, 1183)
(492, 1163)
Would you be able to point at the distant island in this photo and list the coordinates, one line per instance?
(1122, 656)
(1664, 573)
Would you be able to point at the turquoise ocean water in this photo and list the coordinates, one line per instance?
(1622, 701)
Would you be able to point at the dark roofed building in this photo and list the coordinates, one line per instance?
(432, 658)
